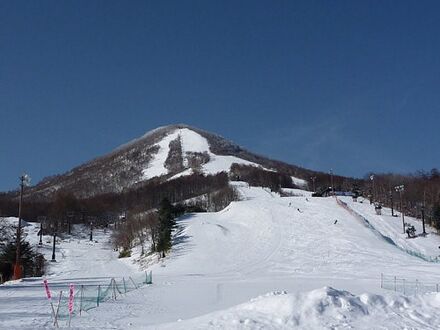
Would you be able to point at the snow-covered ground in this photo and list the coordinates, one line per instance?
(23, 304)
(266, 262)
(324, 308)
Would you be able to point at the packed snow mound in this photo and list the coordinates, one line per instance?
(324, 308)
(191, 143)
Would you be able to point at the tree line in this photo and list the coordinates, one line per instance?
(421, 192)
(65, 208)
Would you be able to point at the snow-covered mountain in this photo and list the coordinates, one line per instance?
(166, 153)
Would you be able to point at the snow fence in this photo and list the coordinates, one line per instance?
(387, 239)
(407, 287)
(87, 297)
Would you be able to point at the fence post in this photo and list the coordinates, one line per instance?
(395, 284)
(114, 288)
(133, 282)
(58, 309)
(381, 280)
(125, 287)
(99, 293)
(81, 299)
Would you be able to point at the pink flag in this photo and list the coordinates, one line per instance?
(46, 287)
(71, 290)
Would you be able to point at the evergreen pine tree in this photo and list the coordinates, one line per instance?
(166, 225)
(28, 258)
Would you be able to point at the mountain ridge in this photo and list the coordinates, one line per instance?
(127, 165)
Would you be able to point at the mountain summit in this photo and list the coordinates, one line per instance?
(164, 153)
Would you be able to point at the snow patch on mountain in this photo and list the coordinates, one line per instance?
(191, 142)
(299, 182)
(157, 164)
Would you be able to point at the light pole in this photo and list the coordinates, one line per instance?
(373, 192)
(400, 189)
(24, 181)
(423, 219)
(391, 201)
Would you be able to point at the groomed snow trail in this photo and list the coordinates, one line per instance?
(263, 244)
(260, 246)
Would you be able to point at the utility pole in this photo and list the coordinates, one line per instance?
(24, 180)
(313, 178)
(400, 189)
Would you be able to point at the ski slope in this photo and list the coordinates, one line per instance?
(191, 142)
(270, 262)
(265, 244)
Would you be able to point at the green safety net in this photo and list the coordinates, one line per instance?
(87, 297)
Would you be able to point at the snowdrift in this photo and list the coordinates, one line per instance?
(325, 308)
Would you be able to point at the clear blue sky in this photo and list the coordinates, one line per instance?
(348, 85)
